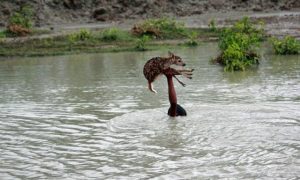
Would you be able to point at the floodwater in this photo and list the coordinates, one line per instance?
(90, 116)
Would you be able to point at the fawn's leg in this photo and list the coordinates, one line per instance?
(186, 73)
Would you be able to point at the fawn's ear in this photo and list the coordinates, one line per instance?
(171, 54)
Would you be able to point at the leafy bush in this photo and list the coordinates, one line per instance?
(236, 59)
(114, 34)
(238, 45)
(84, 34)
(141, 43)
(244, 33)
(23, 17)
(160, 28)
(192, 41)
(287, 45)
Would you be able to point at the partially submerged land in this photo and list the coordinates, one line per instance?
(145, 35)
(237, 38)
(56, 40)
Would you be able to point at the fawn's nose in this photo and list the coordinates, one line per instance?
(183, 64)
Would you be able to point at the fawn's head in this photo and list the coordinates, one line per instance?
(176, 59)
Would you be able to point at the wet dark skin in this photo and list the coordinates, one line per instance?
(175, 109)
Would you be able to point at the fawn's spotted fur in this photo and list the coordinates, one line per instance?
(157, 65)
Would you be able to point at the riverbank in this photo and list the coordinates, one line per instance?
(90, 40)
(45, 47)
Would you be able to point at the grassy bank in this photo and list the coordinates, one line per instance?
(21, 39)
(85, 41)
(237, 43)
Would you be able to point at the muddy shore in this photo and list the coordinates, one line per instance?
(58, 12)
(281, 17)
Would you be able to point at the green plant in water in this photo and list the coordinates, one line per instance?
(212, 25)
(22, 17)
(287, 45)
(141, 43)
(192, 41)
(238, 45)
(244, 33)
(235, 59)
(160, 28)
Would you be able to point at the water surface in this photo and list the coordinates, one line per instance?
(90, 116)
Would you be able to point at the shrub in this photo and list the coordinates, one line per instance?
(236, 59)
(20, 23)
(141, 43)
(160, 28)
(82, 35)
(114, 34)
(238, 45)
(23, 17)
(192, 41)
(244, 33)
(287, 45)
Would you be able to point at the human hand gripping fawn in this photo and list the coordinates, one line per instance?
(158, 66)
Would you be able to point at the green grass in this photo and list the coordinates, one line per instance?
(3, 34)
(107, 40)
(82, 35)
(163, 28)
(285, 46)
(141, 43)
(59, 46)
(115, 34)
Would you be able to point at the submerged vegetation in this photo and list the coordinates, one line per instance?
(287, 45)
(192, 39)
(237, 45)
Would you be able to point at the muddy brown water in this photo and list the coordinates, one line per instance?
(90, 116)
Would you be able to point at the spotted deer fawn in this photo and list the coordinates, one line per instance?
(158, 65)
